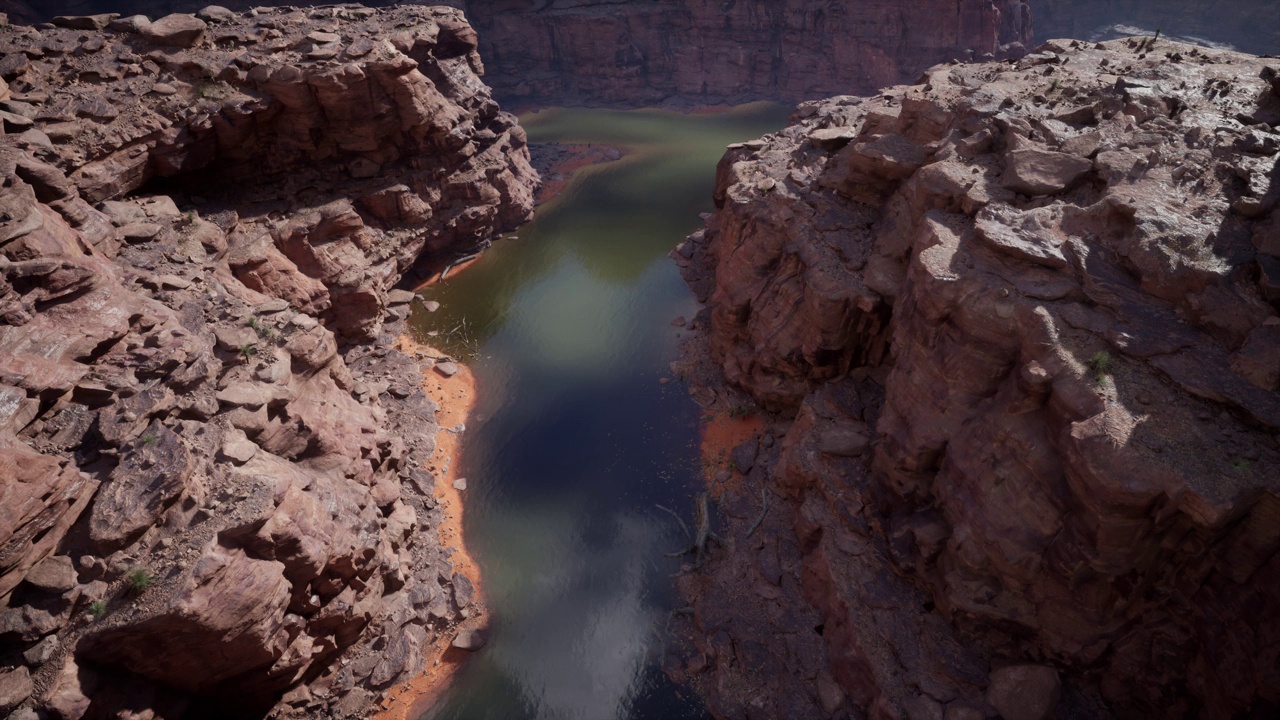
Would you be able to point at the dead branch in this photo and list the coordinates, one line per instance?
(764, 510)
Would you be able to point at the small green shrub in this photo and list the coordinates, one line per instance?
(148, 439)
(139, 580)
(1100, 365)
(1240, 464)
(264, 331)
(248, 350)
(96, 609)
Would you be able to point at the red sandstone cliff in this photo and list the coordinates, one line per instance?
(211, 483)
(710, 51)
(1246, 25)
(1018, 325)
(605, 52)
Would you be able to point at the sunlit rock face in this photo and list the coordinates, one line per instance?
(212, 483)
(1020, 320)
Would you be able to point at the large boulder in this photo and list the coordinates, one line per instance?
(1042, 172)
(15, 686)
(178, 30)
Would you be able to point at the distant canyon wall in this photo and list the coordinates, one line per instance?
(711, 51)
(611, 52)
(584, 52)
(1247, 25)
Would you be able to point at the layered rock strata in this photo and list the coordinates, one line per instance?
(705, 53)
(695, 52)
(1017, 328)
(214, 496)
(1245, 25)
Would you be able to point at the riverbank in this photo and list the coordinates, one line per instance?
(455, 395)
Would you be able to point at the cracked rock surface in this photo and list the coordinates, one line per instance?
(1045, 291)
(213, 482)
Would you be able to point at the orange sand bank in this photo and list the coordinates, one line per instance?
(456, 397)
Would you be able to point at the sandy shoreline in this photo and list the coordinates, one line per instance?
(456, 398)
(722, 431)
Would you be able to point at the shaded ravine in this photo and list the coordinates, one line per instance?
(575, 439)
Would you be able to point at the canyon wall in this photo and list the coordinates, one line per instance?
(214, 491)
(710, 51)
(705, 52)
(1017, 328)
(605, 52)
(1246, 25)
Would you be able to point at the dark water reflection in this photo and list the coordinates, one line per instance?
(574, 440)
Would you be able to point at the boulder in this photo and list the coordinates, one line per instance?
(130, 24)
(85, 22)
(218, 14)
(469, 639)
(843, 441)
(177, 30)
(463, 590)
(55, 574)
(1043, 172)
(15, 686)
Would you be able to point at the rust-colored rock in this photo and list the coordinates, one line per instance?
(275, 131)
(1036, 286)
(197, 507)
(707, 53)
(177, 30)
(691, 52)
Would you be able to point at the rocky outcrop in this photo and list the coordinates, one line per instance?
(1242, 24)
(213, 483)
(351, 142)
(692, 52)
(1017, 326)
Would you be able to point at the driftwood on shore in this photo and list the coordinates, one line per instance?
(702, 533)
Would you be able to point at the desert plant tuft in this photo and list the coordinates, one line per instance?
(96, 609)
(139, 580)
(248, 350)
(1240, 464)
(1100, 365)
(264, 331)
(148, 439)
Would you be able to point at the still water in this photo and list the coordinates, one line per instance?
(574, 441)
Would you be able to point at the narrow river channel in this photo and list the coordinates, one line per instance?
(574, 440)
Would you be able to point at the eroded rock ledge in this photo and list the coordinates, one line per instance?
(1018, 327)
(213, 496)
